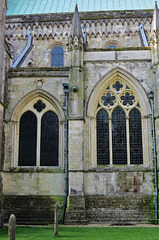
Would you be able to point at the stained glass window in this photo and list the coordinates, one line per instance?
(135, 131)
(119, 142)
(49, 139)
(127, 99)
(102, 137)
(119, 139)
(57, 57)
(27, 139)
(108, 99)
(117, 86)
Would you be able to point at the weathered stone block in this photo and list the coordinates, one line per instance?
(12, 227)
(56, 220)
(32, 209)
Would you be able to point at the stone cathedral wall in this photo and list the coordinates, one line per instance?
(110, 194)
(120, 28)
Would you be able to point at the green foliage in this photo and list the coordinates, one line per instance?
(100, 233)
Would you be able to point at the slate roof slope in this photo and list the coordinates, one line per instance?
(23, 7)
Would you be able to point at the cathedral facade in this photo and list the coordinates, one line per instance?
(79, 118)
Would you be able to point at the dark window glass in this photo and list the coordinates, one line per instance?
(135, 131)
(118, 86)
(27, 139)
(39, 106)
(102, 137)
(57, 57)
(49, 139)
(119, 142)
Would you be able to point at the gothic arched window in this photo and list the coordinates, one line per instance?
(102, 137)
(57, 57)
(39, 136)
(27, 139)
(49, 139)
(119, 126)
(135, 132)
(119, 143)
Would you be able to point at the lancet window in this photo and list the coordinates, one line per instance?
(38, 136)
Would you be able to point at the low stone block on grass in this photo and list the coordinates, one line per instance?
(11, 227)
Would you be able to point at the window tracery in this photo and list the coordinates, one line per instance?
(38, 136)
(39, 105)
(38, 132)
(121, 140)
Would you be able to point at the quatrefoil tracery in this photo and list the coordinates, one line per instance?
(39, 106)
(118, 86)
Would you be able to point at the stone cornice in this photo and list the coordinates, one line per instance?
(39, 72)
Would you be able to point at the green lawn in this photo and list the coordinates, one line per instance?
(100, 233)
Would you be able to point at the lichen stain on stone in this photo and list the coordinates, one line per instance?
(37, 182)
(137, 184)
(96, 177)
(143, 176)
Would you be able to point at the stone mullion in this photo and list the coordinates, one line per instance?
(38, 142)
(16, 149)
(128, 140)
(110, 141)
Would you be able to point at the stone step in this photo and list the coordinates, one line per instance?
(75, 222)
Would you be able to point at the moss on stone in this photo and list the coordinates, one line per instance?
(118, 49)
(36, 169)
(33, 209)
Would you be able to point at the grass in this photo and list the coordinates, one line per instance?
(93, 233)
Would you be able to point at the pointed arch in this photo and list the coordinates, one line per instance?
(118, 93)
(27, 139)
(135, 136)
(49, 139)
(119, 143)
(102, 130)
(34, 95)
(49, 127)
(118, 73)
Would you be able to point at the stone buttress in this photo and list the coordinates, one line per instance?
(2, 79)
(154, 43)
(76, 206)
